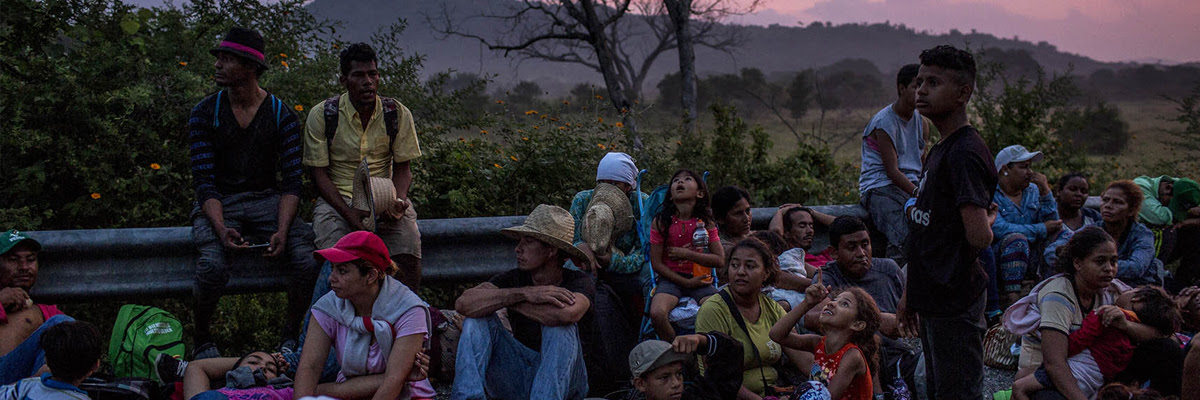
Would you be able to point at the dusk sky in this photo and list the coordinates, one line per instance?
(1106, 30)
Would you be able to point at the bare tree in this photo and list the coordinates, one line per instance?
(620, 39)
(708, 13)
(563, 30)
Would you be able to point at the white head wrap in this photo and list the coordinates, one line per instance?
(617, 167)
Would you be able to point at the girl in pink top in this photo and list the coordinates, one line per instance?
(375, 324)
(681, 267)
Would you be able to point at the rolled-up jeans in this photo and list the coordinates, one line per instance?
(885, 205)
(492, 364)
(27, 358)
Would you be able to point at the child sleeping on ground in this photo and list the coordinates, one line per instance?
(255, 376)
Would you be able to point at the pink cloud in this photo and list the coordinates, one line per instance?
(1108, 30)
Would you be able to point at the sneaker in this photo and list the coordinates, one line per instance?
(288, 346)
(169, 368)
(205, 350)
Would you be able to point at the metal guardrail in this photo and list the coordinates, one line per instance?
(79, 265)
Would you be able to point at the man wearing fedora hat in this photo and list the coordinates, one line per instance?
(550, 310)
(242, 138)
(347, 130)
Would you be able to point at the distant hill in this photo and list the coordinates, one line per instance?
(776, 50)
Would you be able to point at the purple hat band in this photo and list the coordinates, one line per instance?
(246, 49)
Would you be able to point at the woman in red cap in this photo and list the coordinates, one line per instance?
(375, 323)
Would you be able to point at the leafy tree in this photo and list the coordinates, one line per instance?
(1098, 129)
(800, 94)
(525, 92)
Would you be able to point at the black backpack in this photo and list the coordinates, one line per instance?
(391, 118)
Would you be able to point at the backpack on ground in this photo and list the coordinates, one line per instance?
(139, 335)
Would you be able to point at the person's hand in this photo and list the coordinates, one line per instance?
(1188, 223)
(991, 213)
(420, 369)
(687, 344)
(281, 363)
(787, 206)
(907, 322)
(356, 217)
(14, 299)
(231, 239)
(677, 253)
(1053, 227)
(397, 211)
(1194, 212)
(278, 242)
(1042, 183)
(1112, 316)
(551, 295)
(696, 281)
(816, 292)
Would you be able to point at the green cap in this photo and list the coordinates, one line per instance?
(1185, 194)
(12, 237)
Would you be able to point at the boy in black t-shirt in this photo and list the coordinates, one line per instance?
(950, 222)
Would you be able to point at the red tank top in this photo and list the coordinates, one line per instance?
(825, 367)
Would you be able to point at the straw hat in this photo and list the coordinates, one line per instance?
(608, 216)
(374, 194)
(550, 224)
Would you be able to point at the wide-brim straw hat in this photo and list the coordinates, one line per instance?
(374, 194)
(551, 225)
(608, 216)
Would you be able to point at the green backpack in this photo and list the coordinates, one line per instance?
(138, 336)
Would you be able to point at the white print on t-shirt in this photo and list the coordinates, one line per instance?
(915, 214)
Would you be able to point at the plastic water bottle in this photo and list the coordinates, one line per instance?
(700, 238)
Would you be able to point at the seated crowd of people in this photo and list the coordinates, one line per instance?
(986, 239)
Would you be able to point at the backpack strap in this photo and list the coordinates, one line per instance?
(331, 118)
(737, 316)
(391, 118)
(217, 111)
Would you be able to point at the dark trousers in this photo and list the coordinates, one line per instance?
(1183, 245)
(254, 215)
(953, 347)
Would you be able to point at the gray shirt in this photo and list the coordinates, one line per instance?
(908, 138)
(884, 281)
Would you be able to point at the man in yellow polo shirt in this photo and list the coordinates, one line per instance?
(381, 131)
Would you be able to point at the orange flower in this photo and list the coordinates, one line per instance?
(483, 132)
(284, 63)
(524, 137)
(601, 146)
(299, 107)
(513, 158)
(619, 125)
(566, 103)
(460, 139)
(562, 128)
(535, 127)
(283, 55)
(499, 101)
(183, 63)
(335, 45)
(95, 196)
(543, 117)
(155, 166)
(599, 97)
(531, 112)
(600, 119)
(552, 119)
(497, 165)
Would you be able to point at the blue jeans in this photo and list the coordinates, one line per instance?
(491, 363)
(210, 395)
(885, 205)
(27, 358)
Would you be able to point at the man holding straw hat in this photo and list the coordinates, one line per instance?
(359, 143)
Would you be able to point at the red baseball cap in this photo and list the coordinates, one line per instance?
(356, 245)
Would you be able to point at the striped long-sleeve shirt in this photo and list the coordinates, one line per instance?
(228, 159)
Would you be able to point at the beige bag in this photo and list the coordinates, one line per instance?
(997, 348)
